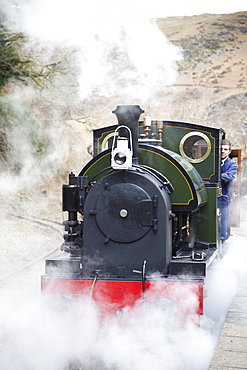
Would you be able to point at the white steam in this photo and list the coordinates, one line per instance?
(123, 53)
(37, 150)
(133, 61)
(144, 337)
(110, 51)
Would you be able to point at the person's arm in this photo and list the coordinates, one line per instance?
(230, 173)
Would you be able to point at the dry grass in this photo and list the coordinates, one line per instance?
(212, 84)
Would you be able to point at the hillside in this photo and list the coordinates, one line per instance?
(212, 83)
(214, 48)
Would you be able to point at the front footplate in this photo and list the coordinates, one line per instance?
(194, 262)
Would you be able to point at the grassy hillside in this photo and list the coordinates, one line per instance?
(212, 83)
(214, 48)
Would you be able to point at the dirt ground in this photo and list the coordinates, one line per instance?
(24, 236)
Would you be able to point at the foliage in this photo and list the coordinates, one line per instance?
(14, 68)
(18, 124)
(11, 64)
(37, 87)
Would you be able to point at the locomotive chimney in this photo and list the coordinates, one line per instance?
(128, 115)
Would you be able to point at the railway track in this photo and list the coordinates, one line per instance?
(27, 276)
(21, 308)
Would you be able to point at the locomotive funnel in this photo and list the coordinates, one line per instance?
(128, 115)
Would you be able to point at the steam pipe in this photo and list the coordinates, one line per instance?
(128, 115)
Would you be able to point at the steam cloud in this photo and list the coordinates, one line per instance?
(121, 48)
(141, 337)
(116, 52)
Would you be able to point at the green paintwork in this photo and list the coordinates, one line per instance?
(207, 215)
(96, 165)
(205, 168)
(172, 134)
(183, 188)
(188, 185)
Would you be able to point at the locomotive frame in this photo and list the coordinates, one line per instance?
(145, 231)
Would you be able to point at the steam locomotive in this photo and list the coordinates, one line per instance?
(143, 220)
